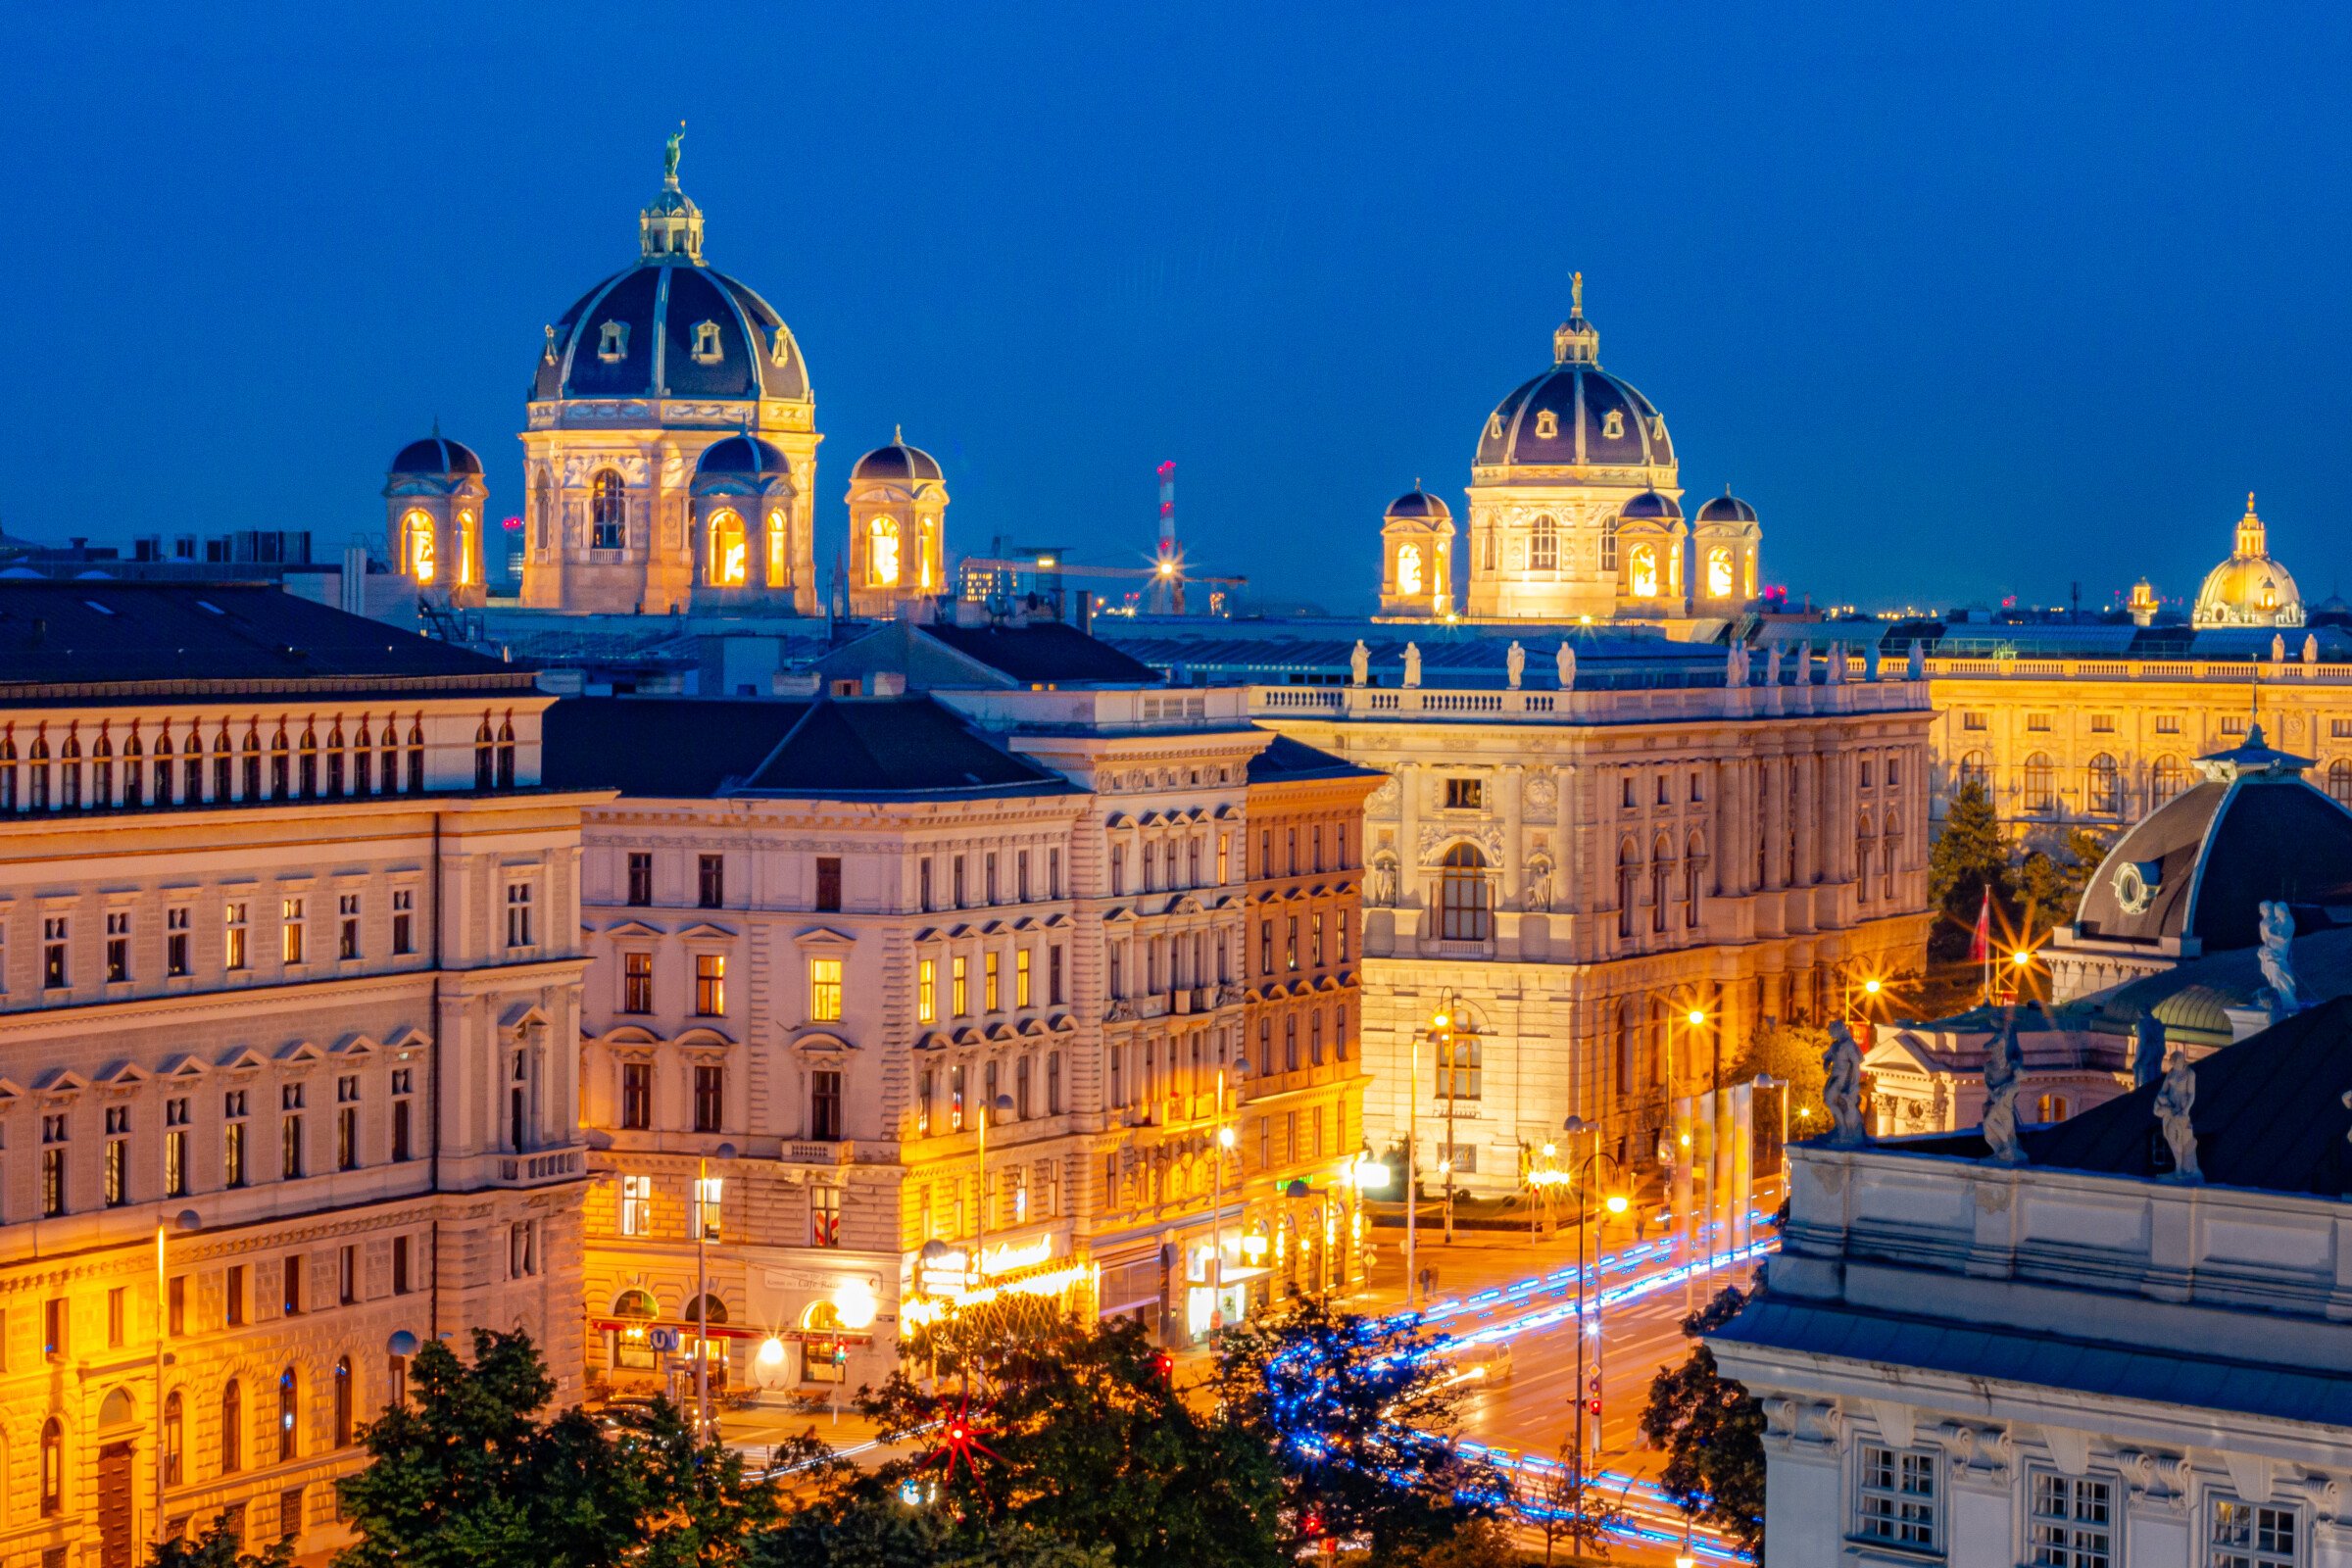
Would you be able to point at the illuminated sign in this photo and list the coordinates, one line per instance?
(1016, 1255)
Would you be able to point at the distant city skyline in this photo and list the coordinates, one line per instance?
(1990, 308)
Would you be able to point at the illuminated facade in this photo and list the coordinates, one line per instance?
(2250, 589)
(1575, 507)
(636, 384)
(898, 530)
(809, 984)
(288, 1076)
(1416, 553)
(1581, 869)
(434, 507)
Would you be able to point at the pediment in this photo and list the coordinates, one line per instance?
(632, 928)
(824, 937)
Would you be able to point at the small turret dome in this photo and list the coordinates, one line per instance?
(897, 461)
(1649, 504)
(1418, 504)
(742, 454)
(435, 454)
(1725, 508)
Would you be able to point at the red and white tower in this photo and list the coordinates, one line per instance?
(1167, 585)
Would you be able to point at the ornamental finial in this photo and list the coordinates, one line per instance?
(669, 157)
(897, 435)
(1576, 292)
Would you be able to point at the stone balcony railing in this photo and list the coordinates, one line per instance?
(529, 1170)
(2233, 672)
(1662, 705)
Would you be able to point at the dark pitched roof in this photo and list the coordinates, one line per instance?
(854, 749)
(2218, 852)
(1047, 651)
(59, 639)
(673, 747)
(2269, 1113)
(1287, 762)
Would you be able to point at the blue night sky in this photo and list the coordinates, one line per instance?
(1968, 300)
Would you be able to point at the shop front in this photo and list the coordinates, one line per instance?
(822, 1328)
(646, 1351)
(1034, 1267)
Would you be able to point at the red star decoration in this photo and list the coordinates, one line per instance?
(961, 1443)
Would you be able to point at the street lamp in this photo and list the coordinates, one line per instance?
(1216, 1244)
(1573, 1128)
(186, 1222)
(705, 1201)
(1441, 1022)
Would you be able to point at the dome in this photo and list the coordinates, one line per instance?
(1652, 505)
(2250, 588)
(2198, 865)
(1418, 504)
(897, 461)
(2331, 611)
(742, 454)
(1575, 414)
(670, 326)
(435, 454)
(1725, 508)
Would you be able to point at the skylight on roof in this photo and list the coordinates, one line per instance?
(95, 605)
(207, 604)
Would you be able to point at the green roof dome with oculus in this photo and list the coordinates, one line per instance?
(1576, 415)
(670, 326)
(2195, 870)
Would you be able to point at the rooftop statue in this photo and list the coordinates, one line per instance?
(1359, 662)
(2175, 1099)
(669, 154)
(2277, 968)
(1413, 663)
(2004, 1078)
(1565, 659)
(1841, 1087)
(1514, 663)
(2148, 1050)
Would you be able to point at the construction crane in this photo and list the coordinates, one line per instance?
(1166, 575)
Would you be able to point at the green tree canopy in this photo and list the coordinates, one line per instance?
(1970, 856)
(216, 1545)
(1366, 1426)
(1712, 1433)
(1790, 1053)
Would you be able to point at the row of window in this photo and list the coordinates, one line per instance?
(1012, 1193)
(710, 881)
(1977, 722)
(1315, 950)
(2104, 790)
(2070, 1521)
(978, 881)
(705, 1203)
(234, 771)
(824, 988)
(939, 1105)
(242, 1153)
(710, 983)
(123, 960)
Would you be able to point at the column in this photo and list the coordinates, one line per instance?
(1409, 848)
(1512, 894)
(1775, 818)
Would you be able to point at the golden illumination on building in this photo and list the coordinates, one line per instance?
(882, 552)
(416, 547)
(730, 552)
(1409, 569)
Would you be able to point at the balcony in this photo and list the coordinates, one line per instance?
(533, 1170)
(815, 1151)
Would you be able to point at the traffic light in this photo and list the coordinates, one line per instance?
(1593, 1393)
(1313, 1525)
(1164, 1367)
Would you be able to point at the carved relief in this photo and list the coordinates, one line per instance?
(1540, 800)
(1383, 801)
(1437, 836)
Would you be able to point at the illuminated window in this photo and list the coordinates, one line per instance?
(1719, 573)
(1645, 560)
(417, 546)
(2106, 786)
(608, 511)
(779, 564)
(636, 1204)
(824, 990)
(882, 552)
(729, 559)
(2039, 794)
(926, 991)
(1409, 569)
(465, 546)
(710, 985)
(1462, 896)
(1543, 545)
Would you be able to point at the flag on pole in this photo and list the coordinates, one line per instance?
(1979, 946)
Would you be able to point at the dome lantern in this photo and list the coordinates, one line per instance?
(1576, 341)
(671, 226)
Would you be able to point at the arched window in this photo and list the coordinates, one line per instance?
(1976, 768)
(1719, 572)
(1644, 583)
(1629, 1045)
(334, 763)
(1694, 877)
(1864, 842)
(416, 758)
(608, 511)
(2165, 779)
(505, 752)
(134, 779)
(779, 550)
(281, 765)
(485, 762)
(417, 557)
(287, 1390)
(465, 545)
(68, 775)
(363, 764)
(232, 1427)
(39, 759)
(1409, 569)
(1662, 870)
(164, 763)
(253, 764)
(307, 757)
(1629, 882)
(539, 510)
(344, 1401)
(102, 773)
(175, 1429)
(2105, 792)
(2039, 794)
(219, 766)
(53, 1468)
(1891, 850)
(1543, 545)
(729, 561)
(1462, 895)
(882, 552)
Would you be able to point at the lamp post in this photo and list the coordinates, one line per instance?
(1442, 1022)
(1573, 1128)
(1217, 1246)
(1447, 1066)
(186, 1222)
(704, 1202)
(1871, 986)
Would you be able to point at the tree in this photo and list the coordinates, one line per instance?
(1790, 1053)
(467, 1474)
(1076, 1435)
(1712, 1433)
(218, 1547)
(1364, 1426)
(1970, 856)
(2054, 884)
(1576, 1509)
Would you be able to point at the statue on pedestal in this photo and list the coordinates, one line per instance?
(1565, 659)
(1413, 663)
(1841, 1087)
(1359, 663)
(2148, 1050)
(1514, 664)
(2278, 932)
(2176, 1099)
(2004, 1079)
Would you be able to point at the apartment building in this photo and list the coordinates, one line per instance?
(288, 980)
